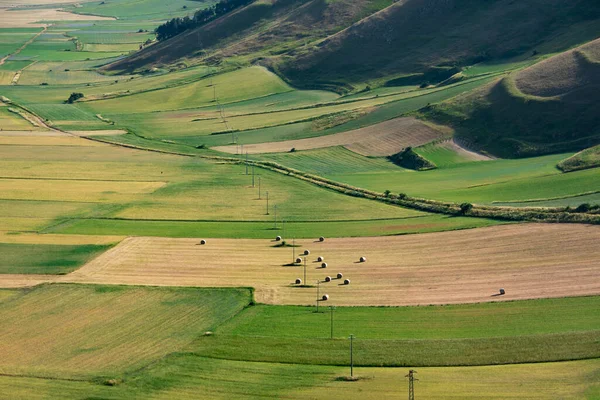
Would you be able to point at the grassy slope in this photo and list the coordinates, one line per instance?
(414, 35)
(547, 108)
(45, 259)
(260, 29)
(589, 158)
(91, 330)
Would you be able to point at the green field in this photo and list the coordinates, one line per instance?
(45, 259)
(480, 334)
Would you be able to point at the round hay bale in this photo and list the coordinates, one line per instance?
(363, 259)
(340, 275)
(346, 281)
(298, 281)
(320, 259)
(324, 265)
(502, 291)
(327, 279)
(321, 239)
(203, 241)
(306, 252)
(325, 297)
(278, 239)
(298, 260)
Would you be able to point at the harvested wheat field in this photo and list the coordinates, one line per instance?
(381, 139)
(39, 18)
(529, 261)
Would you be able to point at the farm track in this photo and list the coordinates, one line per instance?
(20, 49)
(529, 261)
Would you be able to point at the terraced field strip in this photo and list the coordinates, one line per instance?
(189, 375)
(80, 330)
(383, 139)
(529, 261)
(30, 18)
(20, 49)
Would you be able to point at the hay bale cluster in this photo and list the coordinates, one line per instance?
(340, 275)
(363, 259)
(327, 279)
(325, 297)
(346, 281)
(278, 239)
(298, 281)
(320, 259)
(203, 241)
(324, 265)
(298, 260)
(321, 239)
(306, 252)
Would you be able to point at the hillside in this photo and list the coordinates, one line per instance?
(550, 107)
(415, 36)
(263, 29)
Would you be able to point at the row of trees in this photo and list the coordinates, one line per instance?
(178, 25)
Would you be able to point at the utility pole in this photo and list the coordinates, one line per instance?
(252, 175)
(351, 357)
(294, 250)
(283, 224)
(275, 216)
(246, 163)
(259, 188)
(305, 269)
(318, 284)
(411, 384)
(331, 308)
(268, 205)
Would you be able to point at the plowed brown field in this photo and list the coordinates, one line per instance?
(383, 139)
(529, 261)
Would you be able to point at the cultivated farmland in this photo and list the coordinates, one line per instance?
(139, 209)
(441, 268)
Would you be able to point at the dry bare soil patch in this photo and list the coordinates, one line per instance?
(383, 139)
(529, 261)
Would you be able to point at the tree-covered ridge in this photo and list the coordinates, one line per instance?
(178, 25)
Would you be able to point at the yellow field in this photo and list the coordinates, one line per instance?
(77, 330)
(437, 268)
(73, 190)
(32, 18)
(381, 139)
(35, 238)
(565, 380)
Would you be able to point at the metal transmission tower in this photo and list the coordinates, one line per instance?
(411, 384)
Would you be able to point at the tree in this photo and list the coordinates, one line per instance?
(74, 97)
(465, 208)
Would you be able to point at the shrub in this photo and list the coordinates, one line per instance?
(74, 97)
(583, 208)
(465, 208)
(387, 193)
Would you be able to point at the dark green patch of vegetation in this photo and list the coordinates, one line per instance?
(409, 159)
(201, 17)
(74, 97)
(45, 258)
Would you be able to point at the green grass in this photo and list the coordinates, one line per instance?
(332, 160)
(486, 320)
(483, 182)
(441, 156)
(45, 259)
(90, 331)
(184, 376)
(477, 334)
(266, 230)
(589, 158)
(143, 10)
